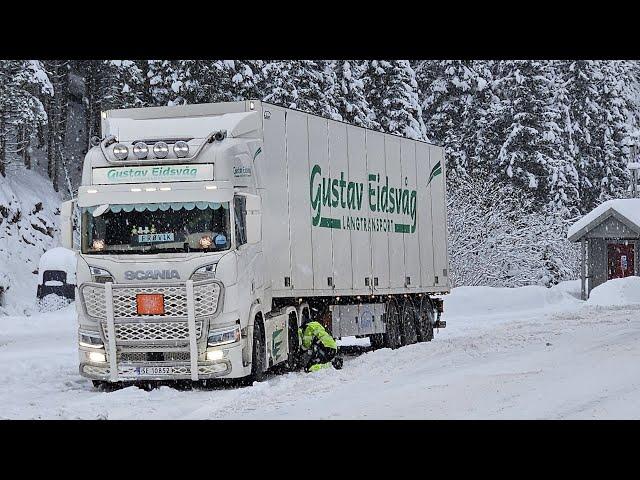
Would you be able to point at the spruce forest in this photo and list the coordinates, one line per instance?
(531, 145)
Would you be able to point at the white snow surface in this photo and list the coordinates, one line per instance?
(616, 292)
(627, 207)
(506, 353)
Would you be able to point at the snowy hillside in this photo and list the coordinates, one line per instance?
(506, 353)
(29, 212)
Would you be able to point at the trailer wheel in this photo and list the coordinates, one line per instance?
(426, 320)
(376, 340)
(392, 336)
(258, 356)
(409, 323)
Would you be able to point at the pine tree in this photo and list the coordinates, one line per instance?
(533, 138)
(350, 93)
(300, 84)
(22, 114)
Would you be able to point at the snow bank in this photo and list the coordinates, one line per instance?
(619, 291)
(477, 301)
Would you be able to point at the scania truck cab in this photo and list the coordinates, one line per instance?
(178, 276)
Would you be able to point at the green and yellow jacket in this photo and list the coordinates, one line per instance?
(315, 330)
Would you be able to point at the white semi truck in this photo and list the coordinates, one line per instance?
(208, 231)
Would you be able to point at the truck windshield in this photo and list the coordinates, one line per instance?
(156, 228)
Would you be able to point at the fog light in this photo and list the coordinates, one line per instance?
(121, 151)
(161, 150)
(97, 357)
(214, 355)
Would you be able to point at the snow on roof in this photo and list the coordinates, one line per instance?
(58, 258)
(629, 208)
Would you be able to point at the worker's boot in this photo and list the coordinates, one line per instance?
(337, 363)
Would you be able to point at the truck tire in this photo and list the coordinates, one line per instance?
(294, 344)
(409, 323)
(392, 336)
(258, 356)
(376, 340)
(426, 320)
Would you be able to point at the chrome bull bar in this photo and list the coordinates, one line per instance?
(109, 317)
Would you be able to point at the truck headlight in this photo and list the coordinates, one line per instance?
(181, 149)
(121, 151)
(90, 339)
(224, 336)
(204, 273)
(100, 275)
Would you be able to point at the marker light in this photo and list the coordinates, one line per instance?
(136, 189)
(121, 151)
(161, 150)
(97, 357)
(211, 187)
(205, 242)
(181, 149)
(92, 190)
(140, 150)
(165, 189)
(150, 189)
(98, 244)
(252, 106)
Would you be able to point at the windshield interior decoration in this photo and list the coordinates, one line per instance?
(156, 228)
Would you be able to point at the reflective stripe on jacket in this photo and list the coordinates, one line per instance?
(316, 330)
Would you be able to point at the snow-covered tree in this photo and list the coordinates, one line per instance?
(350, 94)
(496, 239)
(392, 93)
(22, 114)
(533, 139)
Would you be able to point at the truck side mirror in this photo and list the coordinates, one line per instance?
(254, 218)
(66, 221)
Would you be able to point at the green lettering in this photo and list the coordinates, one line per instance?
(315, 197)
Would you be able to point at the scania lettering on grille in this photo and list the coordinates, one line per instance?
(151, 274)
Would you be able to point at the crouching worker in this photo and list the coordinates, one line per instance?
(319, 349)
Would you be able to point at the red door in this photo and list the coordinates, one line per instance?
(620, 260)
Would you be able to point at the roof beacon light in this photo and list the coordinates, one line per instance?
(140, 150)
(181, 149)
(161, 150)
(121, 151)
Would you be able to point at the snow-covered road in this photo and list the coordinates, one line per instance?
(506, 353)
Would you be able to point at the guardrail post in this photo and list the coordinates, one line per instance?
(111, 330)
(191, 317)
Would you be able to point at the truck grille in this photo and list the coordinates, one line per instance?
(151, 332)
(206, 298)
(136, 357)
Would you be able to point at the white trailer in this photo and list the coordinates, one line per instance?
(208, 231)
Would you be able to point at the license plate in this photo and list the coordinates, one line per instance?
(150, 303)
(156, 238)
(154, 370)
